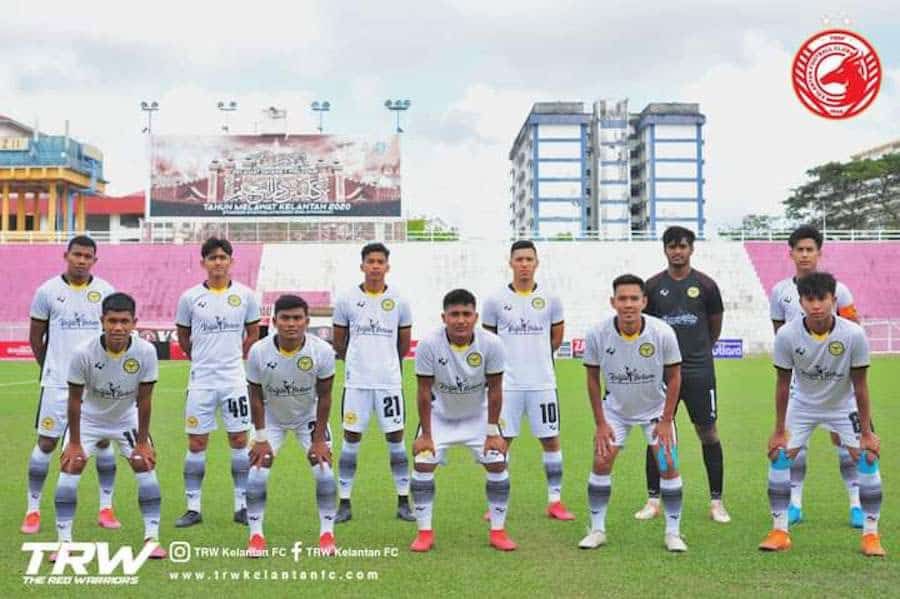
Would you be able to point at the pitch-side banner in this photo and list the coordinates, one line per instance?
(274, 176)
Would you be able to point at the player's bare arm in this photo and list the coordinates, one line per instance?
(37, 337)
(868, 439)
(318, 450)
(143, 452)
(339, 340)
(665, 431)
(604, 437)
(494, 442)
(557, 331)
(778, 440)
(715, 326)
(73, 457)
(404, 334)
(424, 442)
(251, 336)
(184, 339)
(261, 454)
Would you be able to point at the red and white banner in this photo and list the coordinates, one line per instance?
(15, 350)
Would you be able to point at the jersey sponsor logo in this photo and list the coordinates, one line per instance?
(474, 359)
(522, 327)
(538, 303)
(79, 321)
(821, 374)
(631, 376)
(191, 421)
(460, 386)
(234, 300)
(113, 391)
(836, 348)
(286, 389)
(350, 417)
(221, 325)
(305, 363)
(48, 423)
(693, 292)
(94, 297)
(681, 320)
(647, 349)
(387, 304)
(373, 328)
(131, 366)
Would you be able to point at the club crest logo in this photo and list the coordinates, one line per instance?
(693, 292)
(234, 300)
(305, 363)
(836, 74)
(538, 303)
(646, 350)
(131, 366)
(387, 304)
(350, 417)
(48, 423)
(474, 359)
(94, 297)
(836, 348)
(192, 421)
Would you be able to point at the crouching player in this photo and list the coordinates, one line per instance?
(290, 375)
(115, 373)
(641, 366)
(460, 378)
(828, 356)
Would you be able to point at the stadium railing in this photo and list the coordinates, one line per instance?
(829, 234)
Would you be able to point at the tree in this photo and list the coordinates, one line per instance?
(862, 194)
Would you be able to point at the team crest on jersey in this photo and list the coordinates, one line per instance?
(387, 304)
(131, 366)
(646, 350)
(47, 423)
(693, 291)
(94, 297)
(305, 363)
(836, 348)
(234, 300)
(474, 359)
(192, 421)
(538, 303)
(350, 417)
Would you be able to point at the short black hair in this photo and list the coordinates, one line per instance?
(629, 279)
(523, 244)
(459, 297)
(375, 247)
(214, 243)
(676, 233)
(83, 241)
(816, 285)
(806, 232)
(289, 302)
(118, 302)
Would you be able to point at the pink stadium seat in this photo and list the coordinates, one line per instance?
(870, 270)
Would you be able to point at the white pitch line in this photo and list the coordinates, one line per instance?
(35, 382)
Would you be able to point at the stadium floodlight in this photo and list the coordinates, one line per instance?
(397, 106)
(229, 106)
(149, 108)
(321, 108)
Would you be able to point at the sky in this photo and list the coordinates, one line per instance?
(471, 69)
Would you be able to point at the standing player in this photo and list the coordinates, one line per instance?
(65, 313)
(114, 373)
(785, 306)
(217, 323)
(530, 324)
(460, 380)
(825, 359)
(290, 375)
(372, 327)
(690, 302)
(640, 361)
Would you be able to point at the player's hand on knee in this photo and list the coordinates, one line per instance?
(319, 453)
(73, 458)
(424, 444)
(261, 455)
(777, 442)
(143, 457)
(494, 443)
(665, 435)
(870, 442)
(604, 440)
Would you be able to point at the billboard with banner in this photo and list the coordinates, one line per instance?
(274, 176)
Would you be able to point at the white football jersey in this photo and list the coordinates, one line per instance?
(372, 322)
(523, 322)
(633, 369)
(821, 367)
(111, 380)
(460, 373)
(288, 380)
(72, 314)
(217, 320)
(784, 303)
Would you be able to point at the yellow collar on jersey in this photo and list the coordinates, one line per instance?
(459, 348)
(112, 354)
(629, 337)
(820, 337)
(217, 290)
(287, 353)
(78, 286)
(362, 287)
(522, 293)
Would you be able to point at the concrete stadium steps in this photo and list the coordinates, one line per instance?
(870, 269)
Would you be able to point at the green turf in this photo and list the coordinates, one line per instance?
(722, 560)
